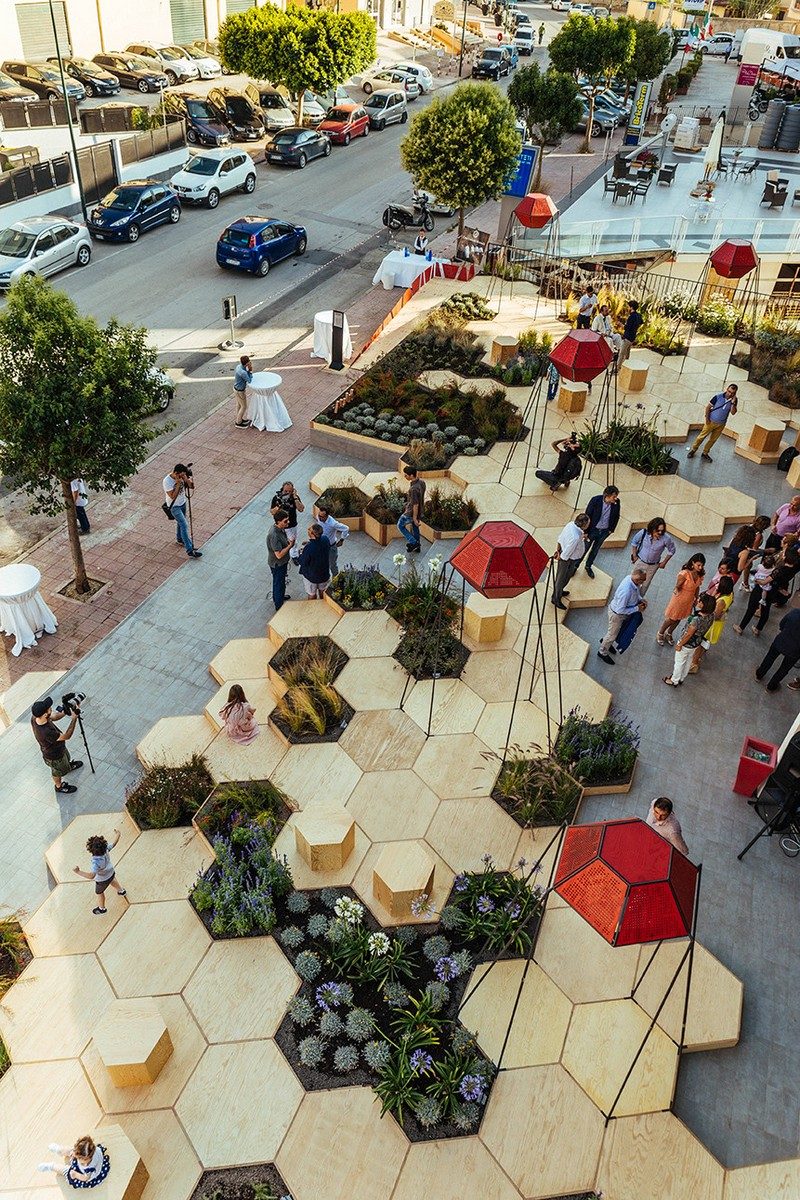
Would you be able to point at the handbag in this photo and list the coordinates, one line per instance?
(168, 513)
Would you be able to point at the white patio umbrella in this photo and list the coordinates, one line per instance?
(714, 149)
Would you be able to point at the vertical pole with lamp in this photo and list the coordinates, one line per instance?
(69, 113)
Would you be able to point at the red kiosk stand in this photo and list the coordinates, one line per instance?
(756, 763)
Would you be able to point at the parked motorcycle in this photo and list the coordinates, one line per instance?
(400, 216)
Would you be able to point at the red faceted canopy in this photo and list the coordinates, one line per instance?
(628, 882)
(734, 258)
(499, 559)
(581, 355)
(535, 211)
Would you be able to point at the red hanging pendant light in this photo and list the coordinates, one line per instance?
(535, 211)
(581, 356)
(499, 559)
(734, 258)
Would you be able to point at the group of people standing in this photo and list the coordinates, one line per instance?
(317, 557)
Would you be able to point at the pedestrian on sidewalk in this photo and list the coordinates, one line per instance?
(241, 377)
(785, 519)
(651, 550)
(315, 562)
(786, 644)
(633, 323)
(627, 599)
(541, 33)
(53, 743)
(724, 598)
(693, 635)
(176, 486)
(682, 601)
(84, 1166)
(718, 409)
(568, 466)
(603, 513)
(286, 498)
(759, 590)
(414, 510)
(570, 549)
(661, 817)
(278, 547)
(102, 871)
(586, 308)
(239, 717)
(80, 497)
(335, 531)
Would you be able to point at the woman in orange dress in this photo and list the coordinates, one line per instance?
(687, 589)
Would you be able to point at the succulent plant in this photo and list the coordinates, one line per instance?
(323, 419)
(301, 1010)
(387, 437)
(307, 965)
(352, 427)
(338, 424)
(360, 1024)
(449, 917)
(345, 1058)
(438, 992)
(450, 431)
(406, 934)
(470, 451)
(462, 441)
(298, 902)
(466, 1116)
(396, 995)
(381, 426)
(449, 449)
(311, 1051)
(330, 1025)
(317, 925)
(292, 937)
(329, 896)
(377, 1054)
(435, 947)
(479, 443)
(428, 1112)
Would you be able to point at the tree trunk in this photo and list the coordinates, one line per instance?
(587, 141)
(461, 221)
(537, 179)
(300, 108)
(76, 549)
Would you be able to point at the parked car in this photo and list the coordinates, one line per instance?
(44, 79)
(344, 122)
(601, 122)
(560, 5)
(314, 107)
(391, 77)
(166, 388)
(11, 91)
(133, 207)
(582, 10)
(42, 246)
(605, 101)
(492, 64)
(214, 173)
(420, 73)
(274, 107)
(257, 243)
(133, 72)
(93, 79)
(386, 108)
(203, 125)
(207, 66)
(521, 19)
(244, 120)
(598, 12)
(720, 43)
(176, 64)
(296, 146)
(209, 48)
(524, 40)
(511, 51)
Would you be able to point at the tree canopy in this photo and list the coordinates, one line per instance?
(547, 103)
(597, 49)
(464, 147)
(651, 53)
(298, 49)
(72, 396)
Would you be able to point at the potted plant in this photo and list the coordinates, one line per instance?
(168, 796)
(447, 515)
(535, 789)
(358, 589)
(383, 512)
(346, 503)
(600, 755)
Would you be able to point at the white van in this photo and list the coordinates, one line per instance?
(758, 44)
(524, 39)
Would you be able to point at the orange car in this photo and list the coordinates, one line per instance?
(345, 121)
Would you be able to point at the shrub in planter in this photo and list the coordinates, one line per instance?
(311, 707)
(418, 601)
(360, 589)
(237, 895)
(388, 503)
(346, 501)
(495, 907)
(718, 318)
(680, 304)
(786, 390)
(233, 805)
(779, 338)
(660, 335)
(14, 952)
(536, 789)
(468, 306)
(597, 753)
(445, 511)
(169, 796)
(636, 444)
(430, 653)
(426, 454)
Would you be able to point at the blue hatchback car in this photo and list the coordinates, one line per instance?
(257, 243)
(132, 208)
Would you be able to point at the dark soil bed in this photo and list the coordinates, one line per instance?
(312, 739)
(421, 665)
(241, 1183)
(292, 648)
(509, 807)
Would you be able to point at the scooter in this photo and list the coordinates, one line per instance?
(435, 206)
(400, 216)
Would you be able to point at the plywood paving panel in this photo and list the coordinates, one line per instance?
(363, 884)
(446, 1169)
(64, 922)
(449, 704)
(495, 676)
(625, 478)
(173, 740)
(464, 830)
(456, 765)
(128, 1175)
(69, 848)
(241, 989)
(367, 634)
(303, 876)
(392, 805)
(540, 1022)
(735, 506)
(477, 470)
(656, 1155)
(242, 658)
(530, 725)
(506, 642)
(539, 847)
(259, 692)
(314, 773)
(335, 477)
(693, 523)
(539, 506)
(256, 1095)
(229, 760)
(776, 1180)
(577, 691)
(372, 684)
(52, 1009)
(165, 1150)
(557, 644)
(386, 741)
(302, 619)
(580, 961)
(715, 998)
(162, 865)
(154, 949)
(589, 593)
(41, 1103)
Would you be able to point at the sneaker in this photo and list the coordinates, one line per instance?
(606, 658)
(99, 912)
(66, 789)
(44, 1167)
(75, 763)
(794, 685)
(691, 454)
(122, 892)
(693, 669)
(706, 458)
(589, 572)
(195, 553)
(55, 1148)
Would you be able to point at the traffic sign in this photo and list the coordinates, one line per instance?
(499, 37)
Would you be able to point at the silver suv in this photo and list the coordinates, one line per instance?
(42, 246)
(386, 107)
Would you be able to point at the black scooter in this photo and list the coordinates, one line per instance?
(400, 216)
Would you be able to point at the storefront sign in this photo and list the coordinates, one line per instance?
(520, 181)
(748, 74)
(641, 105)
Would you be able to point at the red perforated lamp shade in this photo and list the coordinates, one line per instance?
(535, 211)
(499, 559)
(734, 258)
(628, 882)
(581, 356)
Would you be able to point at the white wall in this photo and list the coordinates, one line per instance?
(142, 21)
(10, 42)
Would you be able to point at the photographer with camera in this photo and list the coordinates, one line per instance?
(52, 742)
(177, 488)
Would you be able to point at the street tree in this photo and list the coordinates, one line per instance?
(651, 53)
(463, 148)
(72, 395)
(300, 49)
(547, 103)
(598, 49)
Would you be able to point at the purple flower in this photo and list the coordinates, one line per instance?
(486, 859)
(446, 969)
(472, 1088)
(522, 862)
(421, 905)
(421, 1063)
(329, 996)
(513, 909)
(484, 904)
(460, 883)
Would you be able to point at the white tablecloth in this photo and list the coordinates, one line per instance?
(400, 270)
(265, 409)
(323, 337)
(23, 613)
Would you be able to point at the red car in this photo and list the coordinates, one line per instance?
(344, 122)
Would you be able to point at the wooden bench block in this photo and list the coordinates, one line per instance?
(402, 872)
(133, 1042)
(766, 435)
(572, 397)
(325, 836)
(793, 474)
(504, 349)
(633, 374)
(127, 1177)
(484, 619)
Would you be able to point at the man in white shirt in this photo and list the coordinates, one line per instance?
(663, 820)
(176, 485)
(335, 532)
(586, 306)
(569, 552)
(80, 495)
(602, 324)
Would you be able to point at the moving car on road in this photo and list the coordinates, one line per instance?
(213, 173)
(524, 40)
(344, 122)
(256, 244)
(492, 64)
(44, 79)
(296, 146)
(244, 120)
(133, 72)
(11, 91)
(42, 246)
(95, 80)
(386, 108)
(132, 208)
(176, 64)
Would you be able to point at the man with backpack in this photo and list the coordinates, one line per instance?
(568, 466)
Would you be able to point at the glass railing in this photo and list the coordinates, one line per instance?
(697, 232)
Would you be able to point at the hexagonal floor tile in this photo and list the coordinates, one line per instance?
(530, 726)
(162, 865)
(64, 922)
(242, 658)
(165, 1150)
(625, 478)
(154, 949)
(392, 806)
(256, 1095)
(581, 962)
(448, 704)
(540, 1021)
(69, 848)
(302, 874)
(369, 685)
(715, 999)
(440, 1169)
(465, 829)
(577, 689)
(519, 607)
(329, 477)
(558, 644)
(693, 523)
(41, 1103)
(639, 508)
(52, 1008)
(542, 508)
(388, 741)
(602, 1042)
(589, 593)
(476, 470)
(456, 765)
(367, 635)
(541, 845)
(544, 1131)
(675, 1165)
(260, 693)
(188, 1045)
(735, 506)
(173, 740)
(316, 773)
(241, 989)
(671, 489)
(495, 676)
(780, 1180)
(372, 479)
(442, 883)
(491, 498)
(338, 1147)
(298, 618)
(229, 760)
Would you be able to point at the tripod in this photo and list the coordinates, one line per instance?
(77, 712)
(782, 819)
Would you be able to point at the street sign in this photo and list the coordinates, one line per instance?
(519, 182)
(651, 6)
(229, 307)
(499, 37)
(638, 117)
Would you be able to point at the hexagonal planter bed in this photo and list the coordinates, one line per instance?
(241, 892)
(429, 647)
(262, 1181)
(232, 804)
(310, 710)
(600, 755)
(536, 790)
(447, 516)
(346, 504)
(168, 796)
(359, 589)
(14, 958)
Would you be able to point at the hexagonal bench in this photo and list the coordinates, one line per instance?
(484, 619)
(402, 872)
(133, 1042)
(127, 1177)
(325, 836)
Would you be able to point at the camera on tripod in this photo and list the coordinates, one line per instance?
(188, 470)
(70, 702)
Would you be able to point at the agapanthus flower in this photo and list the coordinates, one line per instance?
(329, 996)
(472, 1088)
(399, 560)
(378, 944)
(421, 1063)
(421, 905)
(460, 883)
(348, 910)
(486, 859)
(446, 968)
(522, 863)
(513, 909)
(484, 904)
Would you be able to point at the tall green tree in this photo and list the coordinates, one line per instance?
(298, 49)
(547, 103)
(72, 395)
(651, 53)
(464, 147)
(596, 49)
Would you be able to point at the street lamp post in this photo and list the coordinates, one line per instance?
(463, 36)
(84, 210)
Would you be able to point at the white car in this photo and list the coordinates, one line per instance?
(174, 63)
(42, 246)
(720, 43)
(583, 10)
(209, 68)
(213, 173)
(420, 73)
(560, 5)
(379, 80)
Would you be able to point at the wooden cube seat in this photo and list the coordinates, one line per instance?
(133, 1042)
(325, 836)
(128, 1176)
(402, 872)
(484, 619)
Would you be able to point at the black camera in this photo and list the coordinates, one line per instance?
(70, 702)
(188, 470)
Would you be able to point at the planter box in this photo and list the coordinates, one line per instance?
(382, 534)
(440, 473)
(435, 535)
(546, 822)
(612, 789)
(341, 441)
(337, 608)
(196, 825)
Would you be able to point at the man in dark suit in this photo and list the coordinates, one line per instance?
(603, 514)
(785, 643)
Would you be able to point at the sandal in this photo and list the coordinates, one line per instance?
(668, 680)
(668, 639)
(738, 629)
(660, 639)
(99, 912)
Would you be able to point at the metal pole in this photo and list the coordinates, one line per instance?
(84, 210)
(463, 36)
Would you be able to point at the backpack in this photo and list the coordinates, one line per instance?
(574, 468)
(787, 457)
